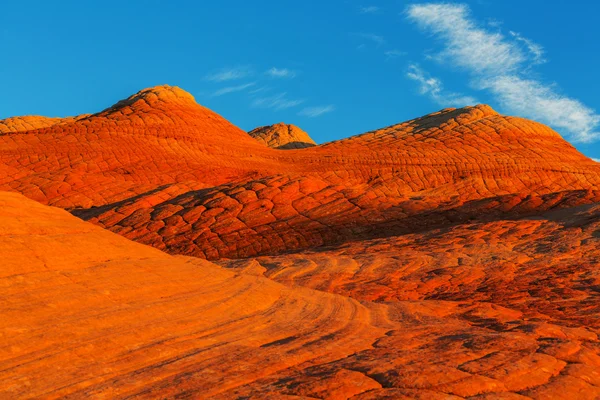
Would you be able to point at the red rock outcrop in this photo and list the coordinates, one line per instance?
(158, 136)
(282, 136)
(450, 256)
(87, 313)
(533, 283)
(32, 122)
(483, 310)
(160, 169)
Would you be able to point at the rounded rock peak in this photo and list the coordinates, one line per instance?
(158, 94)
(463, 114)
(282, 136)
(166, 92)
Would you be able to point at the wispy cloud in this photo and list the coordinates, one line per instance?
(276, 102)
(542, 102)
(313, 112)
(377, 39)
(394, 54)
(280, 73)
(259, 90)
(229, 74)
(467, 46)
(500, 65)
(596, 159)
(369, 10)
(434, 88)
(232, 89)
(534, 49)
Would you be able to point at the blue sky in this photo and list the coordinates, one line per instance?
(334, 68)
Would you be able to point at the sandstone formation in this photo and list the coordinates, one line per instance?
(451, 256)
(87, 313)
(160, 169)
(158, 136)
(32, 122)
(477, 311)
(282, 136)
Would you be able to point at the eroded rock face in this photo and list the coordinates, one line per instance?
(282, 136)
(156, 137)
(507, 309)
(165, 171)
(451, 256)
(33, 122)
(87, 313)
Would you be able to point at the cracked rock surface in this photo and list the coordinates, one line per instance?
(451, 256)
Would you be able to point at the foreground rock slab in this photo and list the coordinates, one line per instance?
(87, 313)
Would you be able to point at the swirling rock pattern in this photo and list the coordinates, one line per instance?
(505, 309)
(160, 169)
(87, 313)
(451, 256)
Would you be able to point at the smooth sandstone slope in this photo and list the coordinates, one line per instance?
(87, 313)
(282, 136)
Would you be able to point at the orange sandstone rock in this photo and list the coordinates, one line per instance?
(282, 136)
(32, 122)
(87, 313)
(451, 256)
(163, 170)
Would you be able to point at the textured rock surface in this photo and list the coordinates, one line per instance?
(32, 122)
(85, 312)
(157, 136)
(160, 169)
(477, 311)
(451, 256)
(282, 136)
(513, 307)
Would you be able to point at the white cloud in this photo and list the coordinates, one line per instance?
(313, 112)
(596, 159)
(276, 102)
(281, 73)
(229, 74)
(467, 45)
(434, 88)
(540, 102)
(536, 50)
(378, 40)
(369, 10)
(499, 64)
(394, 53)
(232, 89)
